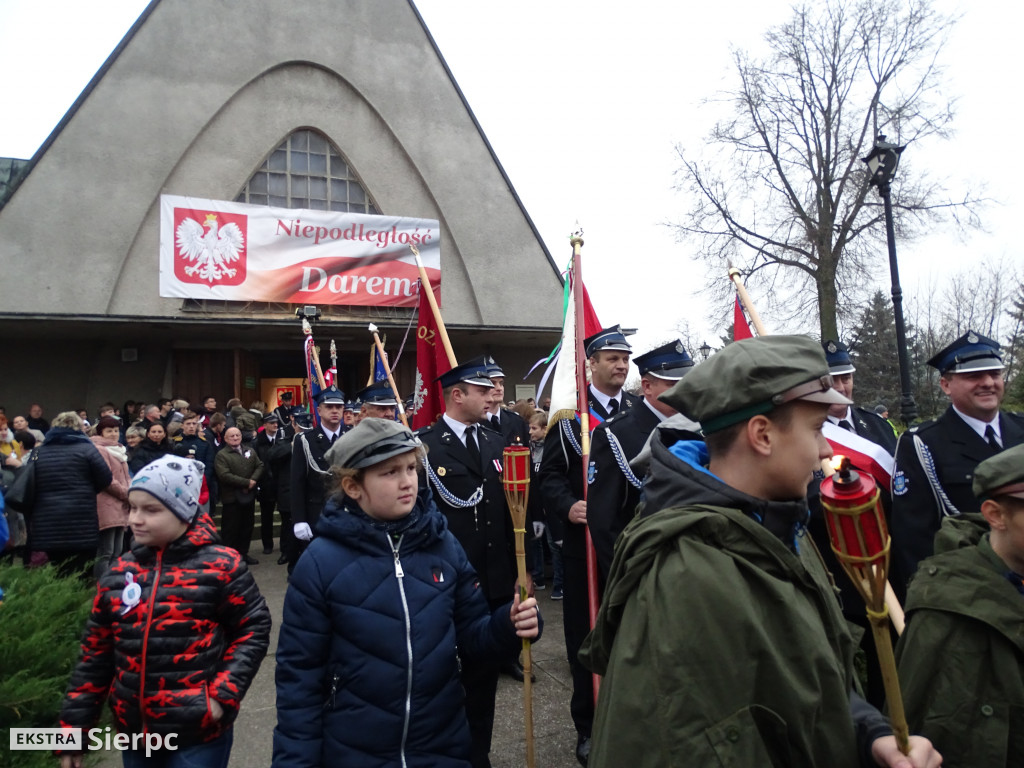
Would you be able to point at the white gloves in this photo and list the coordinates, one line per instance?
(538, 529)
(302, 531)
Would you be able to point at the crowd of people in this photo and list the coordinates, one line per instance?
(726, 632)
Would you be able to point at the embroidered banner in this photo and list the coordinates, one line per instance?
(214, 249)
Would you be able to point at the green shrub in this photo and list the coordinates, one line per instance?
(41, 621)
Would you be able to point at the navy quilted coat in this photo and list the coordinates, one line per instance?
(367, 673)
(69, 473)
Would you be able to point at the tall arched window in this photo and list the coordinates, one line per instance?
(307, 171)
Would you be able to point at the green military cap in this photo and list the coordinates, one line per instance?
(370, 442)
(1001, 475)
(752, 377)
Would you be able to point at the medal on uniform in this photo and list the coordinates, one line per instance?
(131, 594)
(441, 471)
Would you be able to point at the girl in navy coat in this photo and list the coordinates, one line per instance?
(367, 671)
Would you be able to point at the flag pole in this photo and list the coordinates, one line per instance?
(895, 609)
(425, 285)
(314, 355)
(583, 405)
(391, 379)
(734, 275)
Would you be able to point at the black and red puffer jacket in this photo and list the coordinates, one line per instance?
(199, 631)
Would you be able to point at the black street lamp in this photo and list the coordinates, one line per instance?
(882, 162)
(705, 350)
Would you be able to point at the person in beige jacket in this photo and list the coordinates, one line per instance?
(112, 501)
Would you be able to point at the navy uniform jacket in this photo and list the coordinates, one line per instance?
(270, 480)
(309, 479)
(611, 497)
(956, 450)
(514, 428)
(561, 477)
(484, 530)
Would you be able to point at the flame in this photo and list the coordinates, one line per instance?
(837, 462)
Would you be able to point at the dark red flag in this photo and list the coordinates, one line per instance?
(431, 362)
(740, 327)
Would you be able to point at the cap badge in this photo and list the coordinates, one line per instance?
(972, 338)
(679, 347)
(832, 348)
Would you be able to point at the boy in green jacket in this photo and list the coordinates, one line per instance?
(961, 658)
(720, 639)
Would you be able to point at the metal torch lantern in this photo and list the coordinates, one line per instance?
(860, 539)
(515, 479)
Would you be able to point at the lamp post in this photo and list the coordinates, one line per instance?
(705, 350)
(882, 162)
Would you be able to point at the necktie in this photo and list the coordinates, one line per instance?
(846, 425)
(991, 439)
(333, 438)
(613, 407)
(495, 422)
(472, 447)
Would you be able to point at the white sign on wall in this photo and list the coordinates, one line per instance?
(215, 249)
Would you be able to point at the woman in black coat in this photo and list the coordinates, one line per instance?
(151, 448)
(69, 472)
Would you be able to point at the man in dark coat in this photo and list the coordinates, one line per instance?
(265, 440)
(935, 461)
(192, 444)
(509, 424)
(614, 490)
(464, 473)
(560, 483)
(309, 469)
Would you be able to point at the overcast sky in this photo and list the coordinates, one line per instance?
(584, 103)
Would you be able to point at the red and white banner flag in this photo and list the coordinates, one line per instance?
(864, 455)
(431, 362)
(215, 249)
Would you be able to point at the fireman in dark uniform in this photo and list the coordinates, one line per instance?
(935, 461)
(509, 424)
(614, 489)
(463, 467)
(561, 487)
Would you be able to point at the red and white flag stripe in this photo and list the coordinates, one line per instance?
(863, 454)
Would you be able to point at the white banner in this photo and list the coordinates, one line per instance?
(215, 249)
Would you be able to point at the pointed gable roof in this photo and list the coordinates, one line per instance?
(194, 97)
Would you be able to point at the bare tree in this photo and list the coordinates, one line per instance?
(781, 190)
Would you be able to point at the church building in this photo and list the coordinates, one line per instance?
(336, 114)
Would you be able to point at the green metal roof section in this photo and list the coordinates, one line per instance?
(11, 171)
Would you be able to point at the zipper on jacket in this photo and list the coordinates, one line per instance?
(145, 638)
(335, 679)
(400, 575)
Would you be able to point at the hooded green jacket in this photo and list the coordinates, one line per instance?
(720, 644)
(961, 658)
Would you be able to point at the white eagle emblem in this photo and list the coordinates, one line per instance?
(420, 393)
(212, 251)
